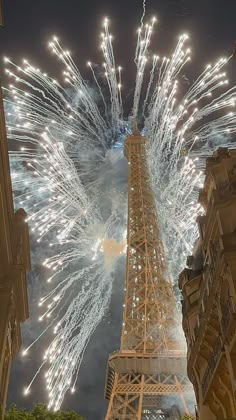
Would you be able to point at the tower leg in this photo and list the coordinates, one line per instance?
(148, 397)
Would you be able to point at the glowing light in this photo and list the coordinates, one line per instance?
(26, 391)
(65, 177)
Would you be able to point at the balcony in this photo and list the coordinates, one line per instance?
(215, 255)
(228, 316)
(208, 286)
(212, 364)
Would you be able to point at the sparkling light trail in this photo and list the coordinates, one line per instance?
(66, 139)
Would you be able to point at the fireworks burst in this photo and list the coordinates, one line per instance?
(66, 141)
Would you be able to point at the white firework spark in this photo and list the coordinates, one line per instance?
(67, 140)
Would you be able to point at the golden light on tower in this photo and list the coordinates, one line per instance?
(147, 378)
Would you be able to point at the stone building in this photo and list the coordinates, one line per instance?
(209, 293)
(14, 262)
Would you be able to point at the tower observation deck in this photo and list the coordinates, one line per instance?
(146, 378)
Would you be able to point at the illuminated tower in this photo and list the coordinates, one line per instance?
(147, 378)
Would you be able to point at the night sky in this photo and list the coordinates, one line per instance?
(28, 26)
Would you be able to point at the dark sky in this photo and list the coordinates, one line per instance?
(28, 27)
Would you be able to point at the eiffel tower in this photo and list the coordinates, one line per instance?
(146, 379)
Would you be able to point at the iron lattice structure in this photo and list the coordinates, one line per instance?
(147, 378)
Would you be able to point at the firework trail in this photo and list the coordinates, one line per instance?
(144, 12)
(65, 145)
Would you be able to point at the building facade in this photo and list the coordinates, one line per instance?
(14, 262)
(209, 293)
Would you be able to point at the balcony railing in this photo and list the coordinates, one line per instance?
(227, 317)
(209, 276)
(213, 360)
(215, 255)
(205, 298)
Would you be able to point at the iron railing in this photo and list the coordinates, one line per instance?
(227, 317)
(213, 360)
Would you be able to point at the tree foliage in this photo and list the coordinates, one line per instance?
(40, 412)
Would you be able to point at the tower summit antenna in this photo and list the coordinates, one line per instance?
(146, 378)
(134, 126)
